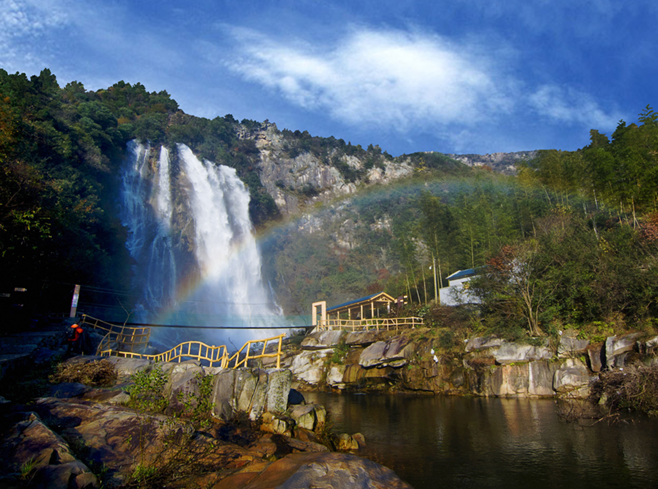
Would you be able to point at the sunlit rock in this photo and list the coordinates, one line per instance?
(278, 388)
(182, 385)
(346, 443)
(572, 379)
(251, 391)
(510, 352)
(277, 424)
(570, 347)
(308, 366)
(372, 356)
(361, 338)
(394, 353)
(483, 343)
(322, 339)
(336, 375)
(594, 357)
(129, 366)
(540, 378)
(309, 416)
(616, 346)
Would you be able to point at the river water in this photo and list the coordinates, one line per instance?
(446, 442)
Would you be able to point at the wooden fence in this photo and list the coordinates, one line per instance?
(378, 324)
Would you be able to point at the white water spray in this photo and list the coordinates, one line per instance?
(226, 288)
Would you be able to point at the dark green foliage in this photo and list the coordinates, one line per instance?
(58, 149)
(147, 393)
(622, 172)
(572, 275)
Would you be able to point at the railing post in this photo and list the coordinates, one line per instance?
(278, 355)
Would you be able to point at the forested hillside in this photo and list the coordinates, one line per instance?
(571, 242)
(571, 239)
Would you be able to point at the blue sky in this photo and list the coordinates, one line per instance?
(458, 76)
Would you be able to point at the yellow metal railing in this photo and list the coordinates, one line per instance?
(196, 350)
(378, 324)
(126, 337)
(236, 356)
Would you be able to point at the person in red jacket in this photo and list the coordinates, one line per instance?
(75, 344)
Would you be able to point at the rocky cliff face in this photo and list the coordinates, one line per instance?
(301, 177)
(306, 178)
(504, 163)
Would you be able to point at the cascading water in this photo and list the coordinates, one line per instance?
(146, 212)
(196, 260)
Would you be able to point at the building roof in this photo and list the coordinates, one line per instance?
(463, 273)
(362, 299)
(469, 272)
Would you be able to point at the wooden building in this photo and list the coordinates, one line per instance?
(369, 307)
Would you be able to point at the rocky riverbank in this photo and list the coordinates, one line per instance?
(153, 427)
(485, 366)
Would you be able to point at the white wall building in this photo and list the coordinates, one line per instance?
(458, 291)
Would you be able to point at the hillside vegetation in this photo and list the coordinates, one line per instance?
(571, 240)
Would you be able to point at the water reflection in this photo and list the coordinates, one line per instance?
(460, 442)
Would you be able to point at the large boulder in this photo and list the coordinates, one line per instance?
(395, 353)
(182, 387)
(309, 416)
(540, 378)
(278, 388)
(316, 470)
(530, 379)
(111, 435)
(510, 352)
(361, 338)
(127, 367)
(373, 355)
(322, 339)
(571, 346)
(572, 380)
(32, 443)
(308, 366)
(336, 375)
(510, 381)
(251, 391)
(483, 343)
(616, 346)
(121, 439)
(594, 360)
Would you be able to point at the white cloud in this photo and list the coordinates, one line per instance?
(404, 81)
(22, 26)
(567, 105)
(378, 77)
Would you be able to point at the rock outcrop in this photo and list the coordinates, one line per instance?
(489, 366)
(501, 162)
(93, 438)
(294, 181)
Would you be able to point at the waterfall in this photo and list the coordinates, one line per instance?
(197, 262)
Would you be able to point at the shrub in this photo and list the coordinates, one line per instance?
(96, 373)
(633, 388)
(147, 394)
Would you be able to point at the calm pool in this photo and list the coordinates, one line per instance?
(447, 442)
